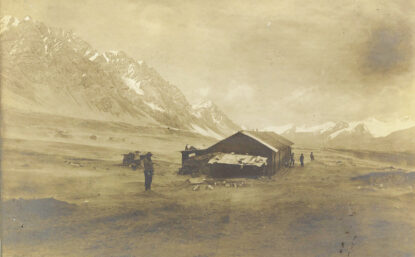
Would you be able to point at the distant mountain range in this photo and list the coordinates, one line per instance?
(369, 134)
(52, 70)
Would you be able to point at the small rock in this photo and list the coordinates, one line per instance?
(195, 188)
(209, 187)
(75, 164)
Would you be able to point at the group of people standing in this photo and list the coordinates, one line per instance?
(292, 159)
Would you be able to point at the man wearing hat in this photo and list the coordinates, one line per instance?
(148, 170)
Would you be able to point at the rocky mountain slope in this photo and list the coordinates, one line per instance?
(51, 70)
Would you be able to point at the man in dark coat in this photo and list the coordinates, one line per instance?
(302, 160)
(148, 171)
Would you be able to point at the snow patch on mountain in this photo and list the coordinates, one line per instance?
(383, 128)
(154, 106)
(197, 109)
(376, 127)
(92, 58)
(317, 128)
(106, 58)
(373, 126)
(134, 85)
(7, 21)
(352, 127)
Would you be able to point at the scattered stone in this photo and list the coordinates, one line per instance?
(195, 188)
(209, 187)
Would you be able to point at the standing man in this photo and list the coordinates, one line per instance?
(148, 171)
(302, 160)
(312, 156)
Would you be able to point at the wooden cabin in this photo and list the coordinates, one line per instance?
(246, 152)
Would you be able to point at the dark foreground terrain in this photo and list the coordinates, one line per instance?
(65, 194)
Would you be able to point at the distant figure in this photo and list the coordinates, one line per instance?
(302, 160)
(148, 171)
(292, 160)
(187, 147)
(312, 156)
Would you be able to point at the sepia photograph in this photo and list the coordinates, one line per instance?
(228, 128)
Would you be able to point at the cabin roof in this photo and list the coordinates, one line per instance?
(270, 139)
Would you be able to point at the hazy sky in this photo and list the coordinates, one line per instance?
(263, 62)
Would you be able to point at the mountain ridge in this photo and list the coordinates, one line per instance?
(52, 70)
(370, 134)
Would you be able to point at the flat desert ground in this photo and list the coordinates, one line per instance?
(65, 194)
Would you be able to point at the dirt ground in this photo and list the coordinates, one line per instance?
(65, 194)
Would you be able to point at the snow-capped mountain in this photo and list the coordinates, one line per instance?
(357, 134)
(208, 112)
(52, 70)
